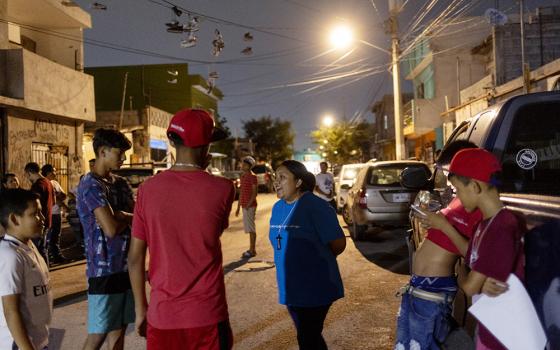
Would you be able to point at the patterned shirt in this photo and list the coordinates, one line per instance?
(105, 255)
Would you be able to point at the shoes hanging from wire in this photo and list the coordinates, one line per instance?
(248, 51)
(218, 43)
(98, 6)
(248, 36)
(189, 41)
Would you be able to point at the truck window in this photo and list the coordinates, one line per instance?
(531, 161)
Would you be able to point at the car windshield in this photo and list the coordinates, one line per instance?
(388, 175)
(350, 173)
(259, 169)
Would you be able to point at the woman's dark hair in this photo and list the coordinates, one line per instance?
(14, 201)
(110, 138)
(300, 173)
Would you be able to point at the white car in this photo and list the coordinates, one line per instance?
(345, 180)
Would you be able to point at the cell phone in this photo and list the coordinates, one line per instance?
(418, 211)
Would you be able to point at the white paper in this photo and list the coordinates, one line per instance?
(511, 317)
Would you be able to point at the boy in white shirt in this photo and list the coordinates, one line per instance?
(24, 275)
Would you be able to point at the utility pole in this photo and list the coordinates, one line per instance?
(122, 101)
(524, 66)
(394, 8)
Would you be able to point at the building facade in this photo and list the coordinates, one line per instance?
(45, 98)
(148, 95)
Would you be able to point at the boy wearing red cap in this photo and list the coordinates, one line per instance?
(180, 215)
(496, 248)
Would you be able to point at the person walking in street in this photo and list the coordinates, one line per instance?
(433, 283)
(24, 276)
(496, 248)
(43, 188)
(248, 201)
(306, 238)
(324, 188)
(179, 217)
(53, 236)
(107, 240)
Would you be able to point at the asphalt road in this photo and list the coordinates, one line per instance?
(372, 271)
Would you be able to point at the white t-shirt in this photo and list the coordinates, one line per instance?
(23, 271)
(57, 189)
(325, 182)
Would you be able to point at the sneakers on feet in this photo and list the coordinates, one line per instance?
(248, 254)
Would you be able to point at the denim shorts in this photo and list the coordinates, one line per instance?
(109, 312)
(424, 324)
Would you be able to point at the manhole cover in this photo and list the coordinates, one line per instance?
(255, 265)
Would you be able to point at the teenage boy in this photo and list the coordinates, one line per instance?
(53, 236)
(433, 283)
(107, 239)
(180, 215)
(496, 248)
(43, 188)
(324, 187)
(248, 201)
(24, 275)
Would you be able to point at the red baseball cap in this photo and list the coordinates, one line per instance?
(195, 127)
(475, 163)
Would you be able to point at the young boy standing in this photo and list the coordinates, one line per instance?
(496, 248)
(24, 275)
(107, 239)
(248, 201)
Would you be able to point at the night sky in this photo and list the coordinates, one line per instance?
(287, 75)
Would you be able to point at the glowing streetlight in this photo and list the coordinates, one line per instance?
(328, 121)
(341, 36)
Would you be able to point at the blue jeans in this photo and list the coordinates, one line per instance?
(422, 322)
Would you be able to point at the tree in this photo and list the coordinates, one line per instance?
(273, 138)
(224, 146)
(344, 142)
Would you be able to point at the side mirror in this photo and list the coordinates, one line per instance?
(344, 187)
(416, 178)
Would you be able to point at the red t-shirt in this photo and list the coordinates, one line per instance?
(463, 221)
(181, 216)
(496, 250)
(44, 189)
(248, 180)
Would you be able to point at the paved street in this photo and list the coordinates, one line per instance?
(365, 319)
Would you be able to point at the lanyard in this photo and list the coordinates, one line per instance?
(278, 237)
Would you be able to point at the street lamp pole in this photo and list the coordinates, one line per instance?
(394, 7)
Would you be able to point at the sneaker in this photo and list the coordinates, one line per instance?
(248, 254)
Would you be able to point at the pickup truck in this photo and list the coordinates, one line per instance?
(524, 133)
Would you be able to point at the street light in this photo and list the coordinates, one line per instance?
(341, 36)
(328, 120)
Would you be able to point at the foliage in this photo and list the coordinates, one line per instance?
(224, 146)
(273, 138)
(344, 142)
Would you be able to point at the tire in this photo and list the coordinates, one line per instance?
(358, 232)
(346, 215)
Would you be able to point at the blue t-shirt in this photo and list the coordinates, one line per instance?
(306, 269)
(105, 255)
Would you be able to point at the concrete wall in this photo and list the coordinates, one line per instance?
(24, 128)
(56, 48)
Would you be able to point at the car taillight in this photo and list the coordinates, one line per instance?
(362, 201)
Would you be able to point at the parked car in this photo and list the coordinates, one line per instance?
(378, 198)
(265, 177)
(344, 181)
(524, 133)
(235, 177)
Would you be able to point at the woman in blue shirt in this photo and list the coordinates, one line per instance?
(306, 238)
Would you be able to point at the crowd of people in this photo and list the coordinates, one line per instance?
(179, 216)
